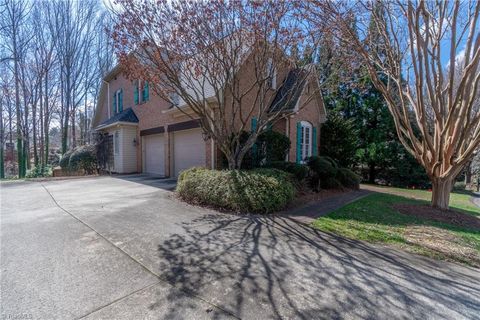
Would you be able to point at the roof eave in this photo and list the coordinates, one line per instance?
(116, 123)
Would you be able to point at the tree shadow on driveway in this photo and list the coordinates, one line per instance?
(258, 267)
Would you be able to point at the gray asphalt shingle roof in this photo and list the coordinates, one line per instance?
(127, 115)
(290, 91)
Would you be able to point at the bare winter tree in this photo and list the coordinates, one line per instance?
(76, 27)
(194, 54)
(14, 16)
(429, 95)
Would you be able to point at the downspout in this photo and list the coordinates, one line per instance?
(108, 97)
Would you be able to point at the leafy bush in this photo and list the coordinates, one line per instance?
(271, 146)
(83, 157)
(325, 167)
(65, 160)
(459, 186)
(330, 183)
(298, 171)
(339, 139)
(258, 190)
(348, 178)
(54, 158)
(38, 172)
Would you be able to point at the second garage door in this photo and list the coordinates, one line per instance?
(188, 150)
(154, 154)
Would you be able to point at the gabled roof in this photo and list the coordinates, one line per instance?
(290, 91)
(126, 116)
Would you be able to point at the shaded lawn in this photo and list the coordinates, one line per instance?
(374, 219)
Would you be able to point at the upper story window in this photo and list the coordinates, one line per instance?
(272, 74)
(141, 92)
(117, 104)
(145, 92)
(136, 91)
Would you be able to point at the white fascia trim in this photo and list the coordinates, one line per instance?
(118, 123)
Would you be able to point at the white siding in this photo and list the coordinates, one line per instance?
(125, 160)
(128, 149)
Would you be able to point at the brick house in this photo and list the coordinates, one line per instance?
(150, 135)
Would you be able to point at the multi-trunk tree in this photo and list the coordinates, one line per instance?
(215, 60)
(428, 73)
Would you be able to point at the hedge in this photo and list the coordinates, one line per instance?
(258, 190)
(348, 178)
(83, 157)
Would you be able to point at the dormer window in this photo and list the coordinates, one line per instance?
(272, 75)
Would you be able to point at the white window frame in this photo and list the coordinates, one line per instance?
(306, 140)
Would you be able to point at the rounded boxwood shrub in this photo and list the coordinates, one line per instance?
(258, 190)
(324, 171)
(348, 178)
(298, 171)
(325, 167)
(65, 160)
(83, 157)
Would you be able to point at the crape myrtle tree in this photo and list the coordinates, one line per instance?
(193, 54)
(429, 95)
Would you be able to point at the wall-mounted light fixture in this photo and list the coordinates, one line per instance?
(135, 142)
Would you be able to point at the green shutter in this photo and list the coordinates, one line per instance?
(253, 123)
(299, 142)
(120, 101)
(314, 142)
(135, 93)
(114, 105)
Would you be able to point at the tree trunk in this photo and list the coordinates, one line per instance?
(468, 173)
(234, 161)
(34, 123)
(441, 189)
(2, 138)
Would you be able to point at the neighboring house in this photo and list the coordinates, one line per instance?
(150, 135)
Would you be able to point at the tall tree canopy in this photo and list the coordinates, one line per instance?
(425, 63)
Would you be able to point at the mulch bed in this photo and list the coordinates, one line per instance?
(452, 217)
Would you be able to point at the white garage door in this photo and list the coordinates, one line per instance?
(188, 150)
(154, 154)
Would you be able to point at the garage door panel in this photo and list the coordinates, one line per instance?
(154, 153)
(188, 150)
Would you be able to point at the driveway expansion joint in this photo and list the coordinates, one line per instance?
(159, 277)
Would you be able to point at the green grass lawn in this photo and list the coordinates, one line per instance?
(373, 219)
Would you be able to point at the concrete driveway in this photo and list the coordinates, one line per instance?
(124, 248)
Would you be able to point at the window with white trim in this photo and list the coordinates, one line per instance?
(306, 140)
